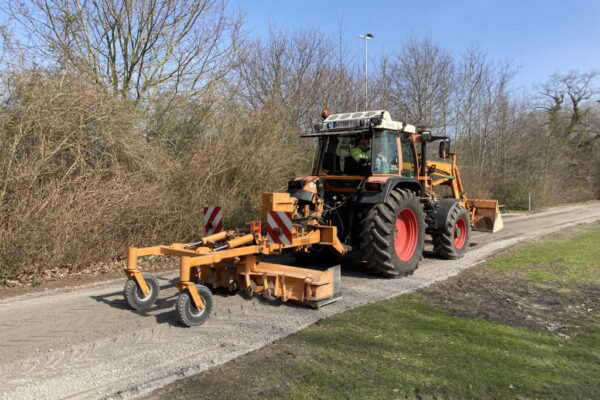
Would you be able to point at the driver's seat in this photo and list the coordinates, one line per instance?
(331, 163)
(351, 167)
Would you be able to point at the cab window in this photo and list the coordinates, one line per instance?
(384, 153)
(336, 151)
(409, 163)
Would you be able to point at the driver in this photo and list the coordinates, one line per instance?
(361, 152)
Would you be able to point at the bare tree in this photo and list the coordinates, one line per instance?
(570, 129)
(421, 80)
(567, 99)
(135, 47)
(298, 73)
(481, 108)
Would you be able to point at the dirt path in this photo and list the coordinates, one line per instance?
(86, 343)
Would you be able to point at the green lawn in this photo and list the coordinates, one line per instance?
(573, 256)
(408, 348)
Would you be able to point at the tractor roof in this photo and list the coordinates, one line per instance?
(348, 123)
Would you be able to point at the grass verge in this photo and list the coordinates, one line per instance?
(424, 346)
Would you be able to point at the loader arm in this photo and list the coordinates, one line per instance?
(484, 213)
(448, 174)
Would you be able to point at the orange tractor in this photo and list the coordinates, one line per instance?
(369, 192)
(381, 194)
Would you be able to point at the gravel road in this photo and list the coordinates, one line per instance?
(85, 343)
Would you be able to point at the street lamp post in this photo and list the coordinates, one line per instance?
(367, 37)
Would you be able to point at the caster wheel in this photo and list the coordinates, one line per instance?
(187, 312)
(136, 298)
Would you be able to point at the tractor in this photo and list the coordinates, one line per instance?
(384, 196)
(369, 193)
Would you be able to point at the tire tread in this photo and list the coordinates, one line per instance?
(377, 234)
(443, 244)
(184, 302)
(130, 292)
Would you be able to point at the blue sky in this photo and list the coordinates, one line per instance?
(538, 37)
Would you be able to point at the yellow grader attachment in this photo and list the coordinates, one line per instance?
(230, 259)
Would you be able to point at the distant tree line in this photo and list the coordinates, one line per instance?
(119, 120)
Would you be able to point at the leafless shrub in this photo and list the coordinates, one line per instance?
(80, 183)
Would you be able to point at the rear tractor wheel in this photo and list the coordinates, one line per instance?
(392, 235)
(453, 242)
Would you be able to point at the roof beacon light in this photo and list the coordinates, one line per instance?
(425, 133)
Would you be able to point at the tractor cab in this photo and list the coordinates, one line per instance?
(364, 144)
(361, 157)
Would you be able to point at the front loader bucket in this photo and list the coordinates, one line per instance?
(487, 215)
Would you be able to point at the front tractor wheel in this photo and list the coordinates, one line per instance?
(392, 235)
(187, 312)
(453, 242)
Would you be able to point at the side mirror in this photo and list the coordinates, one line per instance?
(444, 148)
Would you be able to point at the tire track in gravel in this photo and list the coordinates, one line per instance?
(87, 343)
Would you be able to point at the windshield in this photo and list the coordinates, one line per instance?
(363, 154)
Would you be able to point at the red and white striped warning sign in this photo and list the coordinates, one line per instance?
(213, 220)
(279, 227)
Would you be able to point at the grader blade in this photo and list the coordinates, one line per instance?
(487, 215)
(305, 286)
(335, 287)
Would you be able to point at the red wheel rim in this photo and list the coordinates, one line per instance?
(405, 239)
(460, 233)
